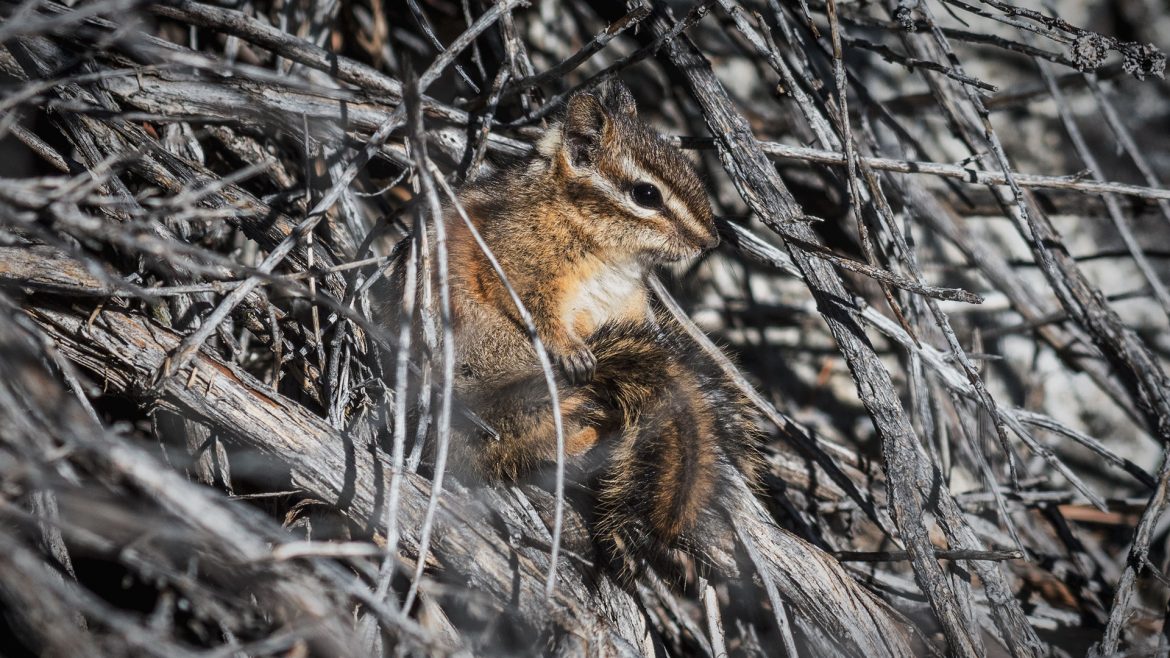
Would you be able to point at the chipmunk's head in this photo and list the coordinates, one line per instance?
(637, 194)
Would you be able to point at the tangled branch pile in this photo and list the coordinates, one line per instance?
(942, 270)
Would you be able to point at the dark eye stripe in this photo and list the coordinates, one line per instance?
(678, 174)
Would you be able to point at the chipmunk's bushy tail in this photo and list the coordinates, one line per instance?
(650, 435)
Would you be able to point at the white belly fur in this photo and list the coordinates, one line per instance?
(608, 295)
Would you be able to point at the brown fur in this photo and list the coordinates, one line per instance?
(559, 237)
(647, 434)
(646, 421)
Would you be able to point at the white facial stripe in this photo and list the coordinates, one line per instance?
(550, 142)
(630, 171)
(677, 207)
(612, 191)
(633, 172)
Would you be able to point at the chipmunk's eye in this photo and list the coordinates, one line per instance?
(646, 195)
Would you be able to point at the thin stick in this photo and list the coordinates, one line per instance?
(599, 41)
(545, 367)
(714, 621)
(447, 391)
(401, 390)
(958, 172)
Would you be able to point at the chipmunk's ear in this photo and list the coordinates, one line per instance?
(616, 98)
(585, 123)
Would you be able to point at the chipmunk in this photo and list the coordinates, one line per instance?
(647, 434)
(575, 227)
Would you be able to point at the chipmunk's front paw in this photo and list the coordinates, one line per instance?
(578, 365)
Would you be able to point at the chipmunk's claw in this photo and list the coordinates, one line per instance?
(578, 366)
